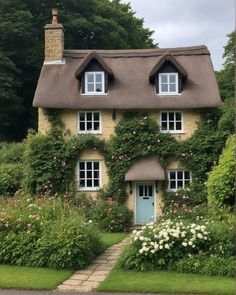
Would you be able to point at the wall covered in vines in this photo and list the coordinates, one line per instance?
(50, 160)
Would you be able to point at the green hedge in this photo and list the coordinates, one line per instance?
(45, 232)
(221, 180)
(11, 176)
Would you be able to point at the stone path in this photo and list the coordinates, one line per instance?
(88, 279)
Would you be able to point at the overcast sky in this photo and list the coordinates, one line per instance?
(189, 22)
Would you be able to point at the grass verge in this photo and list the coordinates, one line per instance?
(108, 239)
(20, 277)
(166, 282)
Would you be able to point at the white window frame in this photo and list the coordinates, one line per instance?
(86, 83)
(86, 188)
(168, 84)
(168, 121)
(92, 130)
(176, 179)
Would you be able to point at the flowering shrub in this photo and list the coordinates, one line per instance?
(112, 217)
(45, 232)
(156, 246)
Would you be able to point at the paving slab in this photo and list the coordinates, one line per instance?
(89, 278)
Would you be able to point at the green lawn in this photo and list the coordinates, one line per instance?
(166, 282)
(20, 277)
(108, 239)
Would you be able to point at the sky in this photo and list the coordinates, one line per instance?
(180, 23)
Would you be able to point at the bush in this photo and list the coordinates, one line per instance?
(157, 246)
(45, 232)
(213, 265)
(221, 180)
(11, 176)
(11, 152)
(112, 217)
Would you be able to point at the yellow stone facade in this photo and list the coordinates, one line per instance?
(69, 117)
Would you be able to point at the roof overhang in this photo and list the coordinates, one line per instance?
(162, 61)
(145, 169)
(85, 62)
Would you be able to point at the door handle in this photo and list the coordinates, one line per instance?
(145, 198)
(153, 204)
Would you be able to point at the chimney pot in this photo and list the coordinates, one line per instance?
(54, 16)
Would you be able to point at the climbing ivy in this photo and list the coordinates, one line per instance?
(51, 160)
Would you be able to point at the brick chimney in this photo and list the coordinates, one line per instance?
(54, 40)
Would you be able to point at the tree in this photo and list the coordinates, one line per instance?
(101, 24)
(221, 180)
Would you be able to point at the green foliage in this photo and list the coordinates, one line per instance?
(11, 152)
(213, 265)
(221, 180)
(89, 24)
(11, 176)
(157, 245)
(136, 135)
(45, 232)
(111, 216)
(226, 124)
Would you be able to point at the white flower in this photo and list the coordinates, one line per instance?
(141, 251)
(161, 242)
(199, 236)
(193, 225)
(193, 231)
(161, 247)
(156, 246)
(205, 238)
(184, 244)
(141, 238)
(167, 246)
(134, 231)
(190, 243)
(153, 251)
(193, 246)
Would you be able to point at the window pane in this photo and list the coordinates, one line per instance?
(172, 78)
(89, 183)
(172, 88)
(82, 126)
(187, 174)
(96, 182)
(164, 116)
(82, 183)
(96, 116)
(90, 77)
(187, 182)
(171, 116)
(98, 87)
(91, 87)
(164, 79)
(96, 165)
(98, 77)
(178, 126)
(180, 183)
(164, 126)
(96, 174)
(150, 190)
(180, 174)
(81, 116)
(140, 190)
(81, 174)
(172, 184)
(89, 125)
(89, 165)
(89, 116)
(81, 165)
(178, 116)
(171, 126)
(164, 88)
(89, 174)
(172, 174)
(96, 126)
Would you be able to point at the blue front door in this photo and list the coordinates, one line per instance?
(145, 203)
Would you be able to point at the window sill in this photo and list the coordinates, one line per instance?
(173, 132)
(168, 94)
(88, 189)
(89, 132)
(94, 94)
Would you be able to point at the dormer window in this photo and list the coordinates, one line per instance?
(94, 83)
(168, 83)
